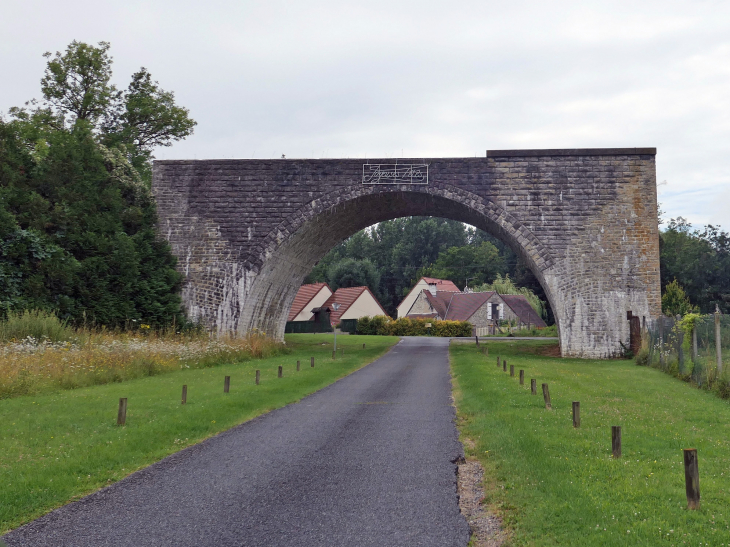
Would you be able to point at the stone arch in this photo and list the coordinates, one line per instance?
(246, 232)
(294, 247)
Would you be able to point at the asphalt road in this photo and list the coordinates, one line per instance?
(365, 461)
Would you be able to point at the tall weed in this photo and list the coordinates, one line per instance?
(35, 324)
(30, 365)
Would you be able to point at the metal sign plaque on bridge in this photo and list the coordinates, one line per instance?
(379, 173)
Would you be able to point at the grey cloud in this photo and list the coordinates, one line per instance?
(425, 78)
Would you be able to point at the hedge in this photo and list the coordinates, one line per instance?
(407, 326)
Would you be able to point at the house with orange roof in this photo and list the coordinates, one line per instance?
(354, 303)
(308, 298)
(425, 283)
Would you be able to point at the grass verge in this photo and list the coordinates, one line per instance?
(60, 446)
(556, 485)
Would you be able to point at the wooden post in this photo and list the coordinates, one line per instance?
(363, 346)
(504, 365)
(499, 359)
(512, 371)
(576, 414)
(477, 339)
(546, 396)
(692, 478)
(227, 384)
(694, 343)
(122, 414)
(616, 440)
(680, 345)
(660, 319)
(311, 362)
(718, 342)
(258, 377)
(184, 395)
(522, 377)
(634, 332)
(281, 371)
(533, 386)
(297, 365)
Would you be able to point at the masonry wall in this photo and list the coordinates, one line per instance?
(420, 306)
(246, 232)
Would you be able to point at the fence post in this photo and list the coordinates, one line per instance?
(498, 360)
(576, 414)
(122, 413)
(680, 344)
(311, 362)
(522, 377)
(692, 478)
(512, 370)
(226, 384)
(504, 365)
(297, 365)
(533, 386)
(661, 341)
(694, 343)
(184, 395)
(546, 396)
(616, 440)
(258, 377)
(718, 341)
(363, 346)
(281, 371)
(477, 339)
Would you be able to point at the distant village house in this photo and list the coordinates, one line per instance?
(314, 305)
(486, 311)
(425, 283)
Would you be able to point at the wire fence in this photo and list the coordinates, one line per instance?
(694, 348)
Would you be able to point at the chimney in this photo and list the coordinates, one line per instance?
(432, 288)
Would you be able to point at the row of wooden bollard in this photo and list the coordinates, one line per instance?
(691, 467)
(122, 412)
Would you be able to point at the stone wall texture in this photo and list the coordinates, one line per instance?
(247, 232)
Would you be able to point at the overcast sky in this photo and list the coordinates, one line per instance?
(417, 79)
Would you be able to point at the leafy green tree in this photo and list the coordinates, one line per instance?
(76, 83)
(77, 219)
(475, 264)
(699, 261)
(349, 272)
(675, 301)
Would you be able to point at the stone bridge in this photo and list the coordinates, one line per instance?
(247, 232)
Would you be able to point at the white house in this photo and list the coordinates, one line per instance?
(430, 284)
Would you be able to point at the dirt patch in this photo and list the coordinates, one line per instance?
(548, 350)
(486, 529)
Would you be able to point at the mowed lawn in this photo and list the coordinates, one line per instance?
(61, 446)
(556, 485)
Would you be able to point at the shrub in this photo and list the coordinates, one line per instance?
(36, 324)
(642, 358)
(407, 326)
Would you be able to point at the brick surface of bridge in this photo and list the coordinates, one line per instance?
(247, 232)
